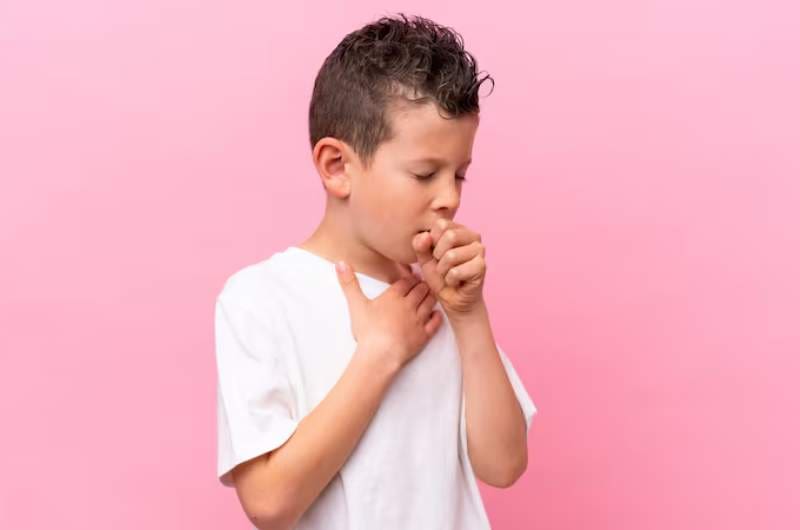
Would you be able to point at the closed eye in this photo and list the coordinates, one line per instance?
(425, 177)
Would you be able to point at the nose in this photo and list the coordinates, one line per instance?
(448, 197)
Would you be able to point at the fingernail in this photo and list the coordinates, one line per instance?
(341, 266)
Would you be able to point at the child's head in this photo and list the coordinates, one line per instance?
(390, 95)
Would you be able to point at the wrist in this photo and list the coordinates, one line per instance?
(378, 358)
(475, 313)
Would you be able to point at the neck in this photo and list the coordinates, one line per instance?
(334, 239)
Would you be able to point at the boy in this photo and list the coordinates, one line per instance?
(370, 396)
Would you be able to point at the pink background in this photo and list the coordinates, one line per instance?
(634, 181)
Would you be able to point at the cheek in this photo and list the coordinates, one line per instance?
(389, 204)
(374, 207)
(397, 219)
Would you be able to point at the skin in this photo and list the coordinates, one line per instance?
(373, 213)
(372, 221)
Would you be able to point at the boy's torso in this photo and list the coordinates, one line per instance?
(410, 461)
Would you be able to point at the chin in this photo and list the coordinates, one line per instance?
(404, 254)
(409, 255)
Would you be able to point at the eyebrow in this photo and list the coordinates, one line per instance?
(437, 160)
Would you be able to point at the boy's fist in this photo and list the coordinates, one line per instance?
(452, 259)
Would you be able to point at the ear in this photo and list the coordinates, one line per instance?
(335, 163)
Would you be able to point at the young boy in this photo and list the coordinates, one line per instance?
(372, 397)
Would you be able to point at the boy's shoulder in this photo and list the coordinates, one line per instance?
(249, 281)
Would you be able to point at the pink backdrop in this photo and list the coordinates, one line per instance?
(634, 179)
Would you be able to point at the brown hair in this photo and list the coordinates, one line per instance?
(375, 68)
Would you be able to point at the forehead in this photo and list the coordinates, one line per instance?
(426, 130)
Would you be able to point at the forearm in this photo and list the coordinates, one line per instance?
(325, 438)
(496, 437)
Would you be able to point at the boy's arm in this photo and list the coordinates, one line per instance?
(496, 429)
(276, 488)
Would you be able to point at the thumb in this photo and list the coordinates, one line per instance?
(423, 246)
(349, 282)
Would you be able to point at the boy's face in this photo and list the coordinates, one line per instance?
(389, 202)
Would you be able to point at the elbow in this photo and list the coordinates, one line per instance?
(518, 470)
(267, 502)
(517, 467)
(272, 517)
(510, 478)
(508, 475)
(521, 466)
(265, 519)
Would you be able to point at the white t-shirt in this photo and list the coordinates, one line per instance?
(283, 339)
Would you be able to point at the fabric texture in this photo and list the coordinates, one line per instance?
(283, 339)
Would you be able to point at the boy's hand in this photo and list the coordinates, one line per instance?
(396, 325)
(451, 257)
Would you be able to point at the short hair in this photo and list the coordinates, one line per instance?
(376, 69)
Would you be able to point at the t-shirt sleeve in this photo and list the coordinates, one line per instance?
(256, 405)
(525, 401)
